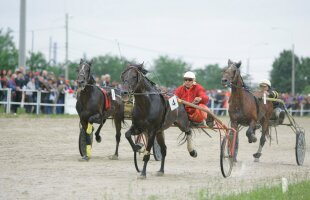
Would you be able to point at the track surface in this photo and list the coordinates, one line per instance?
(40, 160)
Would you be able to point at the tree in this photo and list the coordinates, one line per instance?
(303, 73)
(36, 61)
(8, 52)
(168, 71)
(209, 77)
(108, 64)
(281, 73)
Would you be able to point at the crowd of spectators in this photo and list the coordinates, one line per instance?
(24, 88)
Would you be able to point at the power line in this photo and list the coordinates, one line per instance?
(143, 48)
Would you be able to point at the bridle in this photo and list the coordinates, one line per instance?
(82, 73)
(235, 78)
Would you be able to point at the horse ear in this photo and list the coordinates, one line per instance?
(238, 64)
(91, 62)
(81, 61)
(229, 62)
(141, 65)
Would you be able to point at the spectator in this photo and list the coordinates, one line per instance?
(12, 85)
(106, 80)
(30, 95)
(61, 88)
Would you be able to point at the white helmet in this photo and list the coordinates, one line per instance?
(265, 82)
(189, 75)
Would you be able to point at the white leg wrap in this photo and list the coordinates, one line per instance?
(146, 153)
(189, 143)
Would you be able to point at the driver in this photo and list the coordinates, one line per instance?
(193, 92)
(278, 113)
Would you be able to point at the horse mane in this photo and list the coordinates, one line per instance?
(144, 71)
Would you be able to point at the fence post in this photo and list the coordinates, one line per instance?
(302, 110)
(38, 101)
(8, 100)
(212, 105)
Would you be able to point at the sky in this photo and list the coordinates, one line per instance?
(200, 32)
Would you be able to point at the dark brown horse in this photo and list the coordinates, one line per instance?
(152, 115)
(244, 108)
(93, 106)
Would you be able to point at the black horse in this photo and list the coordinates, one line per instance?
(245, 108)
(152, 115)
(95, 105)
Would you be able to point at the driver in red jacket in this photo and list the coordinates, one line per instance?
(193, 92)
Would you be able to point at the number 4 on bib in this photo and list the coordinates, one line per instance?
(173, 102)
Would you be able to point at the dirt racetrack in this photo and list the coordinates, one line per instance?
(40, 160)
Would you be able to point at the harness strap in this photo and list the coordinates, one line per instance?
(257, 104)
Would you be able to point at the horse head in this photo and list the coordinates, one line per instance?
(132, 77)
(231, 73)
(83, 73)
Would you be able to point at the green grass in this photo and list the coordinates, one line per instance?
(300, 191)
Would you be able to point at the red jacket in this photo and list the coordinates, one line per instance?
(189, 95)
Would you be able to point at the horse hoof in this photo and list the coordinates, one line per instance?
(254, 139)
(84, 158)
(139, 148)
(141, 177)
(98, 139)
(257, 155)
(113, 157)
(193, 153)
(159, 173)
(256, 159)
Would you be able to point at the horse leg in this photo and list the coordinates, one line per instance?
(147, 154)
(265, 130)
(97, 119)
(250, 133)
(184, 127)
(128, 134)
(118, 126)
(190, 147)
(87, 127)
(161, 141)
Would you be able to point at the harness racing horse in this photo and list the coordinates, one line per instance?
(95, 105)
(152, 115)
(246, 109)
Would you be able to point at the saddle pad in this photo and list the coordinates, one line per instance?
(107, 99)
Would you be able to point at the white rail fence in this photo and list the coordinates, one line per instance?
(70, 101)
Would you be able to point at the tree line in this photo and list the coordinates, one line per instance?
(164, 70)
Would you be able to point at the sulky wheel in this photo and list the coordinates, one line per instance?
(226, 157)
(82, 142)
(138, 155)
(300, 148)
(157, 151)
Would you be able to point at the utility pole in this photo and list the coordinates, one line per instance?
(293, 56)
(50, 50)
(32, 42)
(67, 47)
(22, 35)
(55, 53)
(293, 71)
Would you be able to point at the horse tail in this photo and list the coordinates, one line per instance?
(182, 137)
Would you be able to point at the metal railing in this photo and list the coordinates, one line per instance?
(22, 103)
(7, 102)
